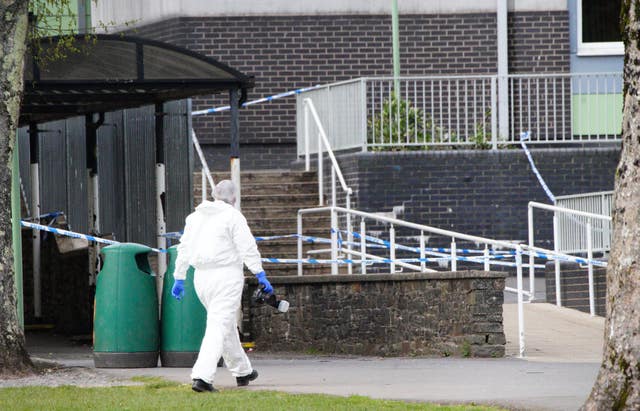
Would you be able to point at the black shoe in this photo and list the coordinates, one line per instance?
(244, 381)
(201, 386)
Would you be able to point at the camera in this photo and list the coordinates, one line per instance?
(261, 297)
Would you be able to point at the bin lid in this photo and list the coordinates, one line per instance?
(126, 248)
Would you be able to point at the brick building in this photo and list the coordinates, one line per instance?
(289, 44)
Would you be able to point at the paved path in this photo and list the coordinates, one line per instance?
(564, 347)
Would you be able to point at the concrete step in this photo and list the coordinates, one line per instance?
(274, 187)
(272, 200)
(264, 176)
(290, 222)
(252, 213)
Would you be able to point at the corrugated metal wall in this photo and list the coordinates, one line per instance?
(111, 176)
(139, 166)
(126, 171)
(179, 163)
(76, 206)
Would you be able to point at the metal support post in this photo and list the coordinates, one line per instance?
(392, 249)
(532, 269)
(307, 162)
(299, 244)
(454, 256)
(320, 176)
(234, 104)
(556, 248)
(520, 300)
(161, 225)
(34, 141)
(487, 266)
(363, 245)
(349, 233)
(423, 264)
(592, 303)
(334, 241)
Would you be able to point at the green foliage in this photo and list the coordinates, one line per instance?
(466, 349)
(408, 128)
(159, 395)
(399, 122)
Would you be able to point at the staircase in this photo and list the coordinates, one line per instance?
(270, 202)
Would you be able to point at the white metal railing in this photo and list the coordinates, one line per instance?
(571, 237)
(589, 219)
(324, 144)
(427, 112)
(486, 248)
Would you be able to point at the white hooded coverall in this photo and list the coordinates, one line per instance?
(216, 241)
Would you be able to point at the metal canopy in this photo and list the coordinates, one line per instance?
(110, 72)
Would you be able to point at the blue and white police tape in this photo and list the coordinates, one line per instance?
(462, 251)
(68, 233)
(258, 101)
(572, 259)
(177, 234)
(525, 136)
(375, 261)
(52, 215)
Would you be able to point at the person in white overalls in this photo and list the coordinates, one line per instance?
(216, 242)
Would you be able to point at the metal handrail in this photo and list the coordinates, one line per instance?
(520, 249)
(325, 140)
(556, 247)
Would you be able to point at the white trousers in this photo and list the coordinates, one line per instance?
(220, 291)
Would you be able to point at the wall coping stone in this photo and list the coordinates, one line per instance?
(345, 278)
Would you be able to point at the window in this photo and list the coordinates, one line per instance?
(599, 27)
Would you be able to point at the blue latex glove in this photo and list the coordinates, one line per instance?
(262, 280)
(178, 289)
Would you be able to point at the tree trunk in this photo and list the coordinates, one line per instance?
(13, 33)
(617, 386)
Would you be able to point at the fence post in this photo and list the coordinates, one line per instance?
(532, 280)
(363, 96)
(320, 177)
(494, 114)
(422, 253)
(349, 234)
(307, 165)
(556, 248)
(392, 248)
(592, 304)
(454, 261)
(334, 241)
(487, 266)
(299, 244)
(520, 302)
(363, 245)
(333, 187)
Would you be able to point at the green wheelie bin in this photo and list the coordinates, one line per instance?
(183, 321)
(126, 325)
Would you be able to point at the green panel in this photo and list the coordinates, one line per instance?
(595, 114)
(183, 321)
(56, 18)
(126, 306)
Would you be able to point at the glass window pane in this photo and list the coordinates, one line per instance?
(601, 21)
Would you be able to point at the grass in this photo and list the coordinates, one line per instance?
(158, 394)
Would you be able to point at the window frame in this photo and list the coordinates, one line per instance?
(602, 48)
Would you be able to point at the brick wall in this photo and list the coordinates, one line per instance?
(288, 52)
(388, 315)
(475, 192)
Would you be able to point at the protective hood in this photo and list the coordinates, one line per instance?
(213, 207)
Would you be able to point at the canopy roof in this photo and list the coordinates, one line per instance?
(111, 72)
